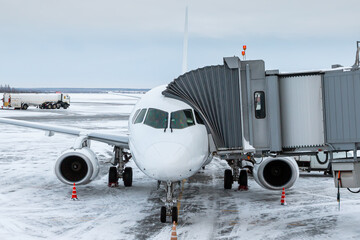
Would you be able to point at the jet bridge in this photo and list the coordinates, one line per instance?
(248, 109)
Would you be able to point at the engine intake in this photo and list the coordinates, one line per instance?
(78, 166)
(276, 173)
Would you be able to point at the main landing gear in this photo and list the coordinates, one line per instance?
(119, 170)
(170, 208)
(232, 175)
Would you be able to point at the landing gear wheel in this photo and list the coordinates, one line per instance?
(174, 214)
(243, 180)
(228, 179)
(163, 215)
(58, 106)
(127, 177)
(113, 177)
(48, 106)
(25, 106)
(53, 106)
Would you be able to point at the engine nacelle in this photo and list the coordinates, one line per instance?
(78, 166)
(276, 173)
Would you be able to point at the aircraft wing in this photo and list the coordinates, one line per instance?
(112, 139)
(126, 95)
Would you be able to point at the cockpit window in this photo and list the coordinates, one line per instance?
(156, 118)
(135, 115)
(140, 116)
(182, 119)
(198, 118)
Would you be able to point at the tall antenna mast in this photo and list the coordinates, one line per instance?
(356, 64)
(185, 47)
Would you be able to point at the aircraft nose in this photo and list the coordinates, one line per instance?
(166, 160)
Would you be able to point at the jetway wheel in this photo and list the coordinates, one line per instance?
(163, 215)
(127, 177)
(174, 214)
(243, 178)
(228, 179)
(113, 177)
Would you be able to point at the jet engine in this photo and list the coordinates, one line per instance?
(276, 173)
(78, 166)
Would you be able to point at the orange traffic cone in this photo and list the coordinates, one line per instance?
(74, 195)
(283, 202)
(173, 233)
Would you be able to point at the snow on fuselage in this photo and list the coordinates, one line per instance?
(166, 141)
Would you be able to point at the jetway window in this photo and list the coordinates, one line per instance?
(259, 103)
(182, 119)
(141, 116)
(156, 118)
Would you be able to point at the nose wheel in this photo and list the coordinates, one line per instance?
(170, 209)
(165, 213)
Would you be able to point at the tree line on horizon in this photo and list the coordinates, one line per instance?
(7, 89)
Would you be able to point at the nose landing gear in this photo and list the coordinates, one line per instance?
(170, 208)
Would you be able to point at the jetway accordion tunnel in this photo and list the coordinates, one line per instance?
(246, 108)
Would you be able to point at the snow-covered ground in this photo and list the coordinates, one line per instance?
(34, 204)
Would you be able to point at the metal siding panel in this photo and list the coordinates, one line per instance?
(357, 104)
(332, 108)
(338, 109)
(273, 109)
(352, 109)
(342, 106)
(301, 111)
(345, 108)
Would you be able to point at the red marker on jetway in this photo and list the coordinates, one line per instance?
(243, 53)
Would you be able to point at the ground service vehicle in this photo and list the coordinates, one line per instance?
(41, 100)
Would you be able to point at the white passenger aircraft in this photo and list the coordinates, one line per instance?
(168, 142)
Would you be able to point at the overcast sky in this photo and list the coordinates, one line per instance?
(138, 43)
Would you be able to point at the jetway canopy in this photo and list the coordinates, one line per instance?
(214, 92)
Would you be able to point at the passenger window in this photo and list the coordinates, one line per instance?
(156, 118)
(198, 118)
(141, 116)
(259, 103)
(182, 119)
(136, 113)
